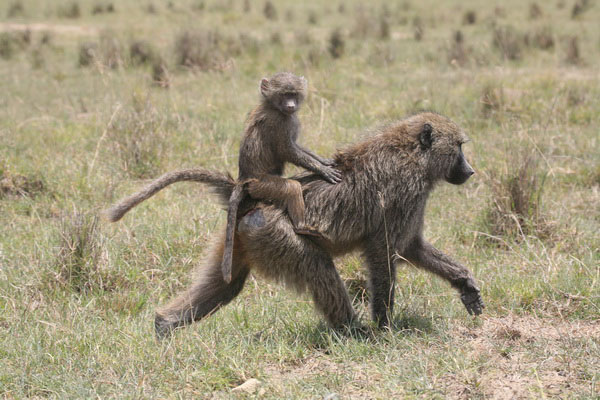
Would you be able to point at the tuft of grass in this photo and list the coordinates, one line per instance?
(13, 184)
(141, 52)
(363, 23)
(491, 100)
(269, 11)
(275, 37)
(79, 249)
(313, 17)
(101, 8)
(111, 50)
(535, 11)
(580, 7)
(470, 18)
(303, 37)
(7, 45)
(71, 10)
(138, 137)
(315, 56)
(572, 55)
(336, 44)
(508, 41)
(150, 8)
(384, 28)
(12, 42)
(199, 49)
(87, 53)
(108, 52)
(543, 38)
(418, 28)
(457, 53)
(516, 199)
(160, 73)
(15, 9)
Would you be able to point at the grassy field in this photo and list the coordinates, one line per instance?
(99, 96)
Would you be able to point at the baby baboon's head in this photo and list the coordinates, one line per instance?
(284, 91)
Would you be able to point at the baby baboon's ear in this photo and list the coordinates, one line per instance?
(264, 86)
(304, 83)
(425, 137)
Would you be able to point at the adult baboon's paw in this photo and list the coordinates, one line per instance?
(471, 298)
(162, 327)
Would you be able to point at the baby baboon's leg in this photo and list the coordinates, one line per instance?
(289, 193)
(207, 293)
(276, 251)
(286, 191)
(382, 278)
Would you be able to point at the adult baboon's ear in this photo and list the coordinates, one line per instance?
(264, 86)
(425, 136)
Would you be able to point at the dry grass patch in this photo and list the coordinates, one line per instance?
(526, 357)
(516, 208)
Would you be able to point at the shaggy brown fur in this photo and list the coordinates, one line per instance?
(221, 184)
(378, 208)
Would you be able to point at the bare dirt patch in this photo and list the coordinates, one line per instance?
(525, 357)
(44, 27)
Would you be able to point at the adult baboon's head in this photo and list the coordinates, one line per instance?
(440, 142)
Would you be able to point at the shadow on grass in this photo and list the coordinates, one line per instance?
(322, 337)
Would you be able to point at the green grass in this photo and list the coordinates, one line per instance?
(91, 135)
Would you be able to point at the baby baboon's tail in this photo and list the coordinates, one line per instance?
(221, 183)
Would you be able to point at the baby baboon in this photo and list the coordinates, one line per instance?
(377, 208)
(269, 142)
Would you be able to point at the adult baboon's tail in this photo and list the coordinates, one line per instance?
(222, 184)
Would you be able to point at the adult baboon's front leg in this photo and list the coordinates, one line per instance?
(424, 255)
(382, 277)
(207, 293)
(274, 249)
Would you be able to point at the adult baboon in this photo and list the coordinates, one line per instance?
(377, 208)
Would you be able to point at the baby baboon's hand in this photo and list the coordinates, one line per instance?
(331, 175)
(330, 162)
(471, 298)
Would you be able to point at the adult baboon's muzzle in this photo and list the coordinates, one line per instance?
(460, 172)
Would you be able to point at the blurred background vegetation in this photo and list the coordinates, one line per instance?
(99, 96)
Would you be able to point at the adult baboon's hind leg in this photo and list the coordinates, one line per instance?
(276, 251)
(382, 278)
(206, 295)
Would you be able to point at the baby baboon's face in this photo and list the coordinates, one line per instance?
(284, 91)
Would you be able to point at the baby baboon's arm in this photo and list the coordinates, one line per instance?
(298, 156)
(325, 161)
(424, 255)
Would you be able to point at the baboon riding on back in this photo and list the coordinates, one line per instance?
(378, 209)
